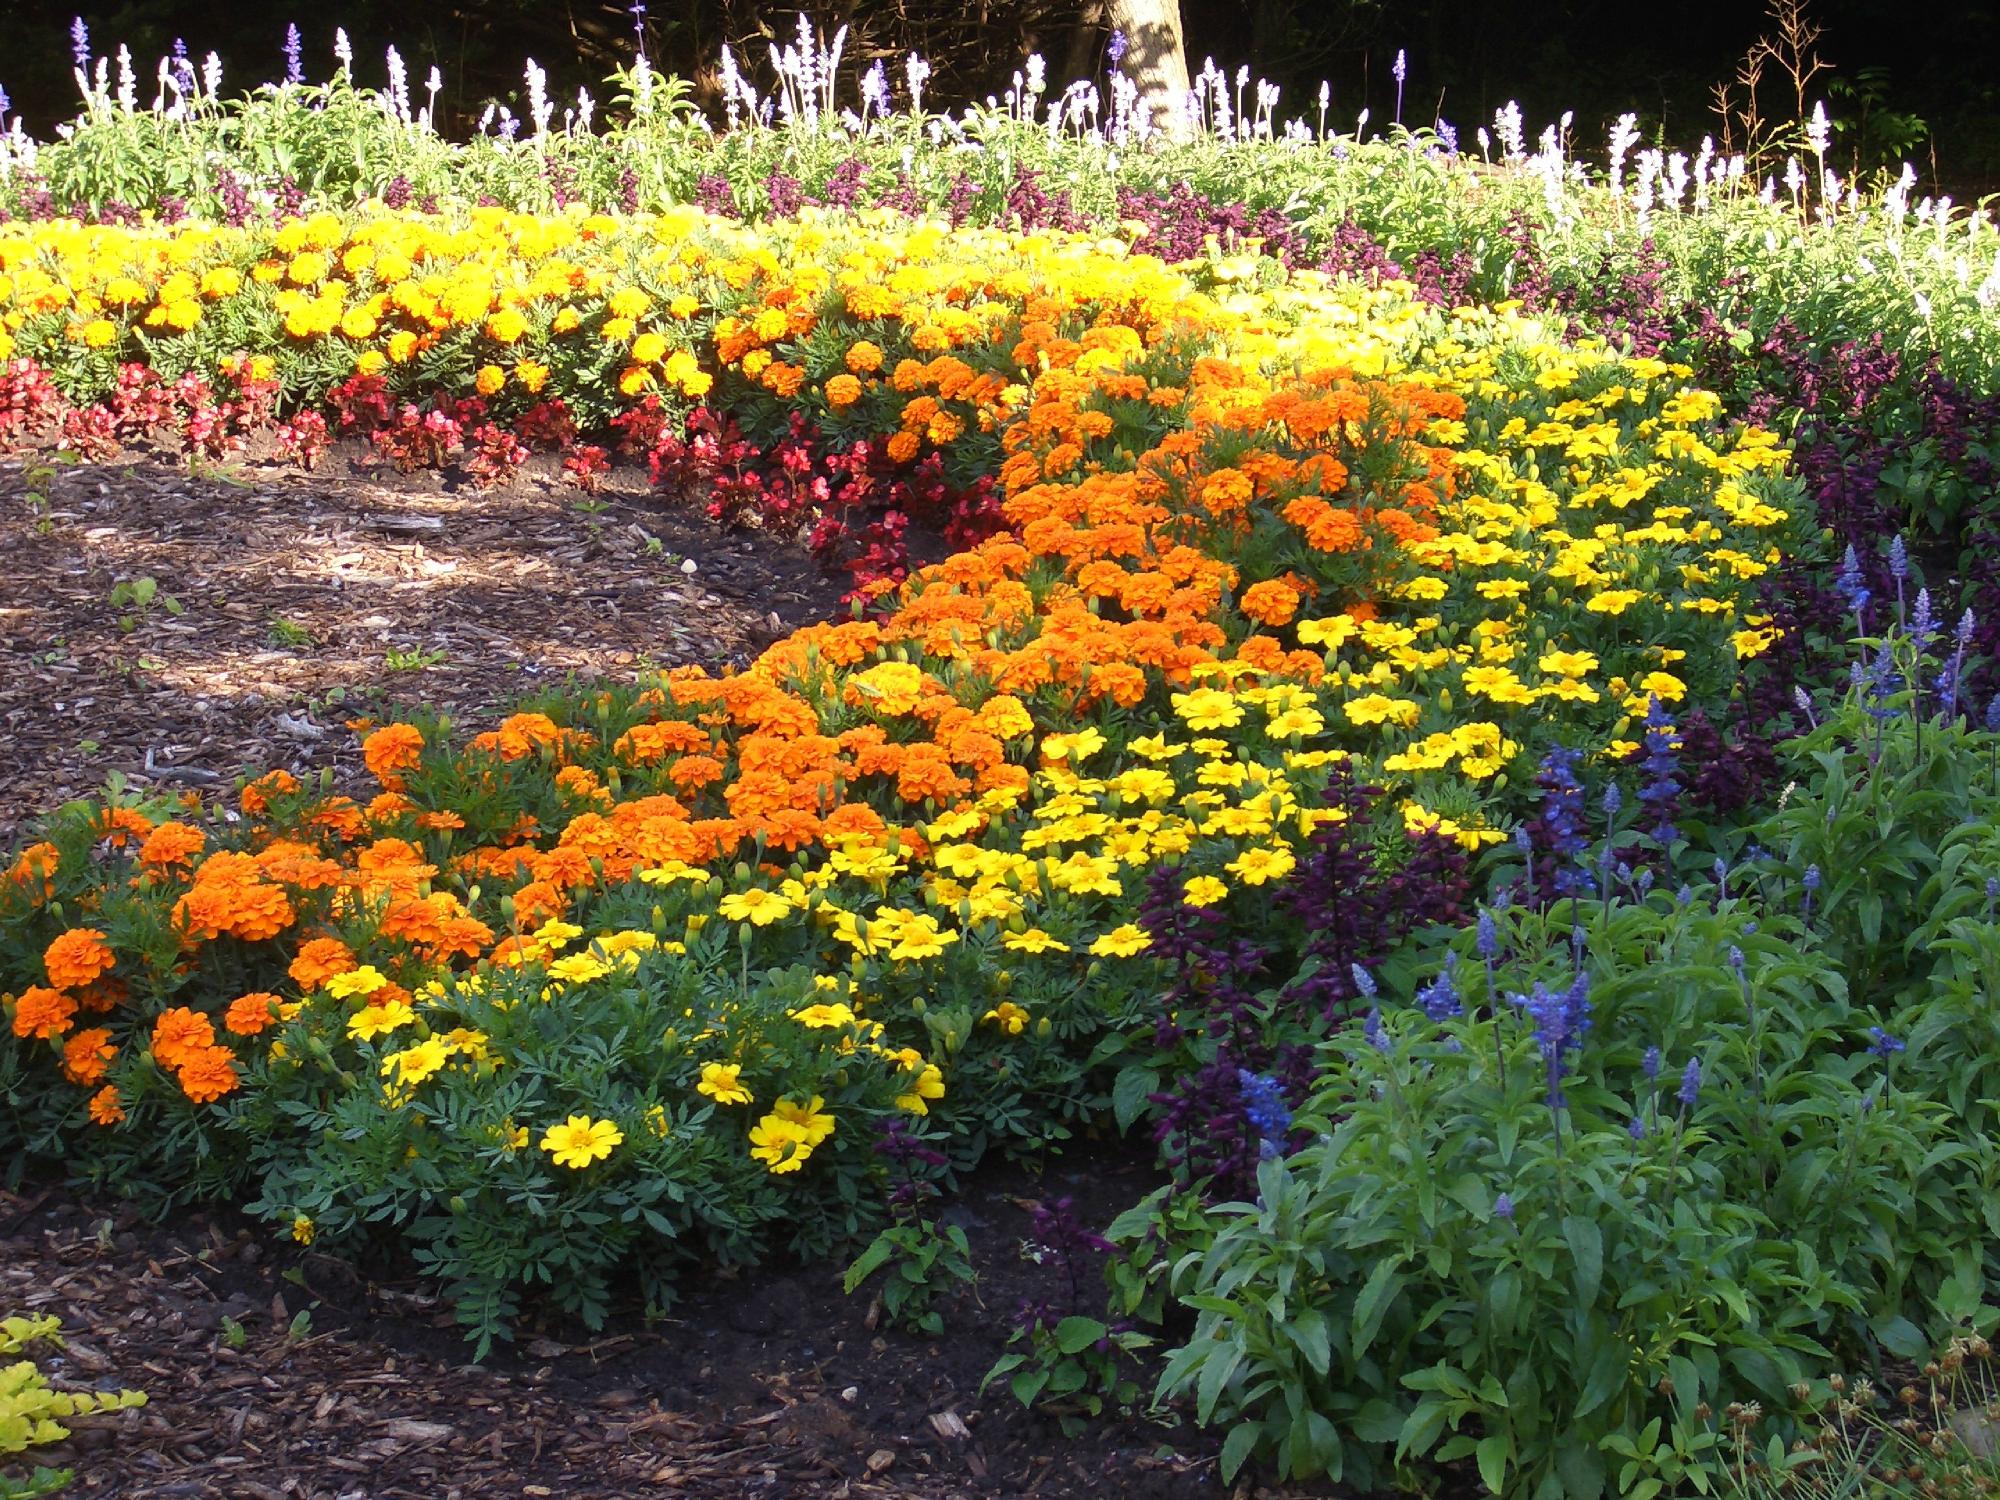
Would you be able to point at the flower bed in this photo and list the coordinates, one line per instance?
(659, 962)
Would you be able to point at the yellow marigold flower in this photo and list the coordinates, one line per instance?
(759, 907)
(490, 380)
(633, 380)
(1568, 663)
(222, 281)
(411, 1066)
(648, 348)
(303, 1229)
(578, 968)
(1614, 601)
(1010, 1017)
(1208, 708)
(628, 303)
(365, 980)
(1203, 890)
(507, 325)
(1122, 942)
(1662, 685)
(1374, 708)
(779, 1144)
(1034, 940)
(372, 1021)
(929, 1085)
(1259, 865)
(580, 1140)
(567, 320)
(370, 362)
(531, 376)
(99, 332)
(823, 1016)
(402, 346)
(308, 269)
(722, 1083)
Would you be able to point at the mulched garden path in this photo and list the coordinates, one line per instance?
(273, 1372)
(297, 604)
(283, 605)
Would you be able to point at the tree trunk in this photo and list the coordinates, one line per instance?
(1155, 57)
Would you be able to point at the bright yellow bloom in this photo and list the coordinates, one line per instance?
(721, 1082)
(1034, 940)
(1010, 1017)
(1204, 890)
(580, 1140)
(372, 1021)
(758, 907)
(1122, 942)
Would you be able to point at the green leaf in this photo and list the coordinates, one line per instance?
(1901, 1337)
(1074, 1335)
(1027, 1385)
(1586, 1248)
(1492, 1458)
(1382, 1285)
(1237, 1448)
(1215, 1374)
(1308, 1331)
(867, 1263)
(1376, 1422)
(1129, 1091)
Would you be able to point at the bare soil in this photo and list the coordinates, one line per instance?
(176, 629)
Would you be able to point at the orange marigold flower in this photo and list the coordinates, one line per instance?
(208, 1074)
(179, 1035)
(256, 795)
(102, 996)
(319, 960)
(42, 1012)
(77, 957)
(37, 864)
(1272, 602)
(392, 750)
(105, 1107)
(120, 826)
(691, 772)
(87, 1054)
(249, 1014)
(170, 845)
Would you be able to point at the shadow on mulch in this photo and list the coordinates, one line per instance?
(178, 628)
(278, 1373)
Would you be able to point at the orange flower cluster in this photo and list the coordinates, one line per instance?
(184, 1043)
(231, 897)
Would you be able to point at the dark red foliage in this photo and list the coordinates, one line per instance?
(852, 504)
(585, 466)
(303, 439)
(414, 439)
(494, 455)
(547, 426)
(361, 404)
(30, 405)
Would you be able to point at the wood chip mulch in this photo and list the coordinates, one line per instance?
(283, 605)
(246, 1400)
